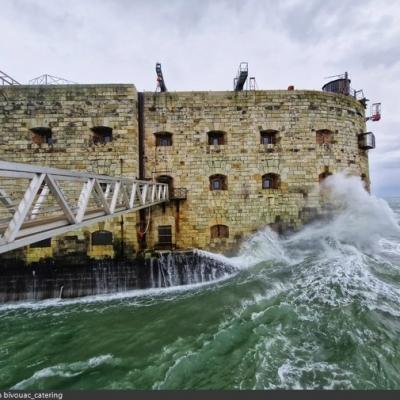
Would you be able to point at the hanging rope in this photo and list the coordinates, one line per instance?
(141, 233)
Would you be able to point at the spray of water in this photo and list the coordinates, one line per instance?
(357, 222)
(315, 309)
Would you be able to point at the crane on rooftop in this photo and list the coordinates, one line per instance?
(160, 79)
(240, 79)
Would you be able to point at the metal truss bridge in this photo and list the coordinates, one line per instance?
(37, 203)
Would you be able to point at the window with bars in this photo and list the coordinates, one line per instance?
(165, 235)
(163, 139)
(42, 135)
(102, 134)
(218, 182)
(216, 138)
(268, 137)
(219, 231)
(270, 181)
(324, 136)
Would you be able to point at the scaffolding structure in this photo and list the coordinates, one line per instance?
(6, 79)
(47, 79)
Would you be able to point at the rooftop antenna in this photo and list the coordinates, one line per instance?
(47, 79)
(6, 79)
(241, 76)
(160, 79)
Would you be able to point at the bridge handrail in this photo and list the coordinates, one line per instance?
(13, 167)
(41, 202)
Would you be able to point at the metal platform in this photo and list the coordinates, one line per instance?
(37, 203)
(239, 81)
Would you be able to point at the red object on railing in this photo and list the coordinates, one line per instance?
(375, 112)
(376, 117)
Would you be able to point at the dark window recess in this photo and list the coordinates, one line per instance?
(270, 181)
(268, 137)
(364, 178)
(102, 238)
(41, 244)
(42, 135)
(163, 139)
(165, 235)
(323, 176)
(216, 138)
(219, 231)
(324, 136)
(102, 134)
(168, 180)
(218, 182)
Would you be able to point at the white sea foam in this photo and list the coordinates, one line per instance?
(336, 251)
(64, 370)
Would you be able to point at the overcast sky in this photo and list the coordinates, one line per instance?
(200, 44)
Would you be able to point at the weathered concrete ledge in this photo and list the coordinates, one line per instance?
(60, 279)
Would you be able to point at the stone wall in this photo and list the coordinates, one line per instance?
(298, 158)
(70, 111)
(245, 206)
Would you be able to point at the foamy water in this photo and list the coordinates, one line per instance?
(317, 309)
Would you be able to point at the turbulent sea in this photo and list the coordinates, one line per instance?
(319, 308)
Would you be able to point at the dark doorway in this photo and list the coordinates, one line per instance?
(165, 236)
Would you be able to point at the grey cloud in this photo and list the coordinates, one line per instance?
(200, 44)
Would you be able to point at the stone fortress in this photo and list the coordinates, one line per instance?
(235, 161)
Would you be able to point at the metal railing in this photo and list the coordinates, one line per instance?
(37, 203)
(6, 79)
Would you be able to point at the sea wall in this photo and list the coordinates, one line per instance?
(64, 279)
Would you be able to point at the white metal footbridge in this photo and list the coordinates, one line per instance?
(37, 203)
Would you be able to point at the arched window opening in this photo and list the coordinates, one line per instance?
(219, 231)
(42, 135)
(163, 139)
(324, 136)
(216, 138)
(218, 182)
(102, 238)
(101, 134)
(169, 181)
(270, 181)
(268, 136)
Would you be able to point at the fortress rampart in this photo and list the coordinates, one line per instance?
(235, 161)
